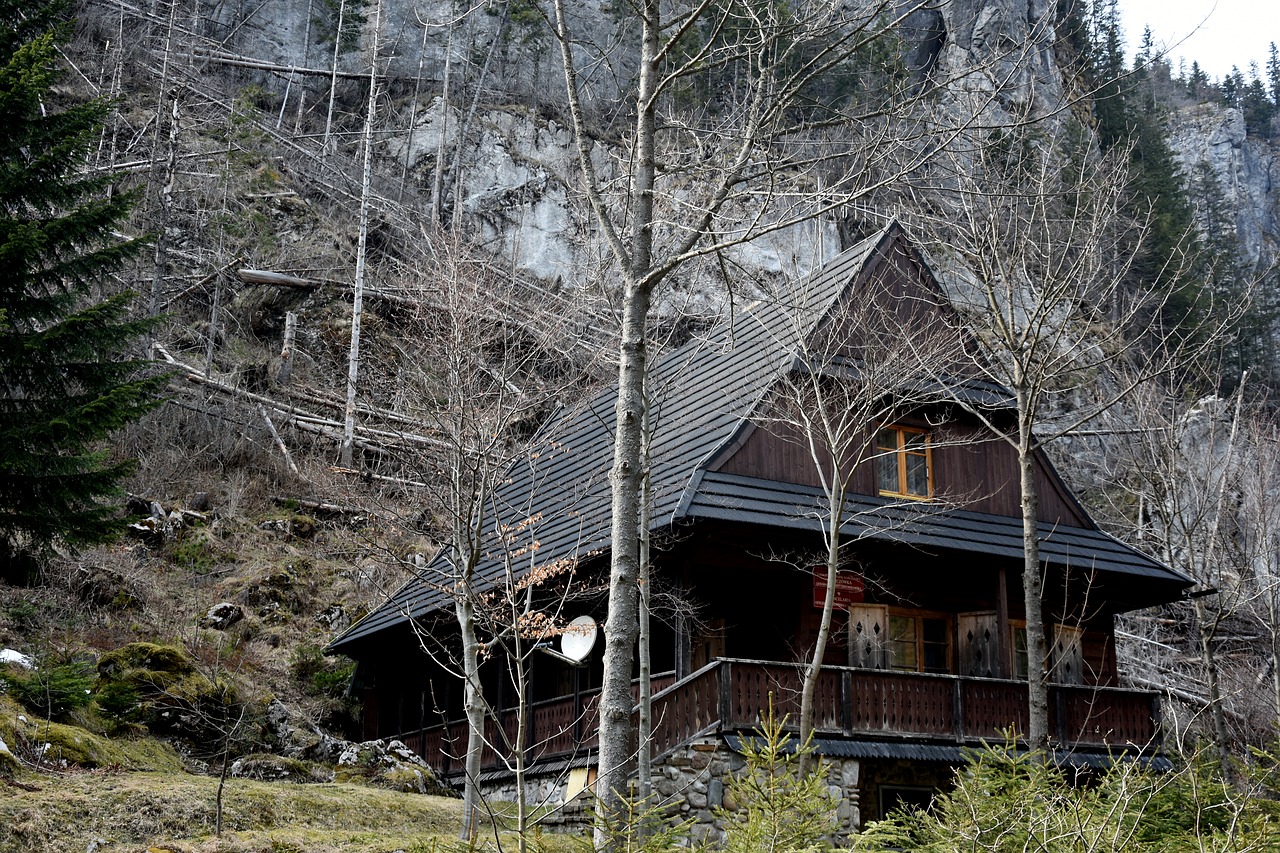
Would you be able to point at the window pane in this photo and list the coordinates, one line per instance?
(887, 473)
(902, 642)
(887, 439)
(917, 474)
(933, 633)
(1020, 653)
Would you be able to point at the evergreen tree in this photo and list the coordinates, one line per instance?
(1273, 74)
(65, 383)
(1198, 82)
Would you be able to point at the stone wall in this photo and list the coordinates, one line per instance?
(694, 784)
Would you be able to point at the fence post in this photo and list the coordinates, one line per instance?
(846, 702)
(957, 708)
(726, 694)
(1060, 710)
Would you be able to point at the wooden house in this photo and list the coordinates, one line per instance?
(928, 654)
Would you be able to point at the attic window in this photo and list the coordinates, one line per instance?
(903, 463)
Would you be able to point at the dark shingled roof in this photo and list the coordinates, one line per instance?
(557, 502)
(733, 497)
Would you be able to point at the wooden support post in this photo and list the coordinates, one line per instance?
(1059, 698)
(1005, 641)
(726, 695)
(846, 702)
(957, 708)
(1157, 737)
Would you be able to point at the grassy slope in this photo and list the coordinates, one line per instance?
(175, 812)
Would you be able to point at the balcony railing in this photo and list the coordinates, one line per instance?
(728, 695)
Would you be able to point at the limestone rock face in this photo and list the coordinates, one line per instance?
(1008, 42)
(1247, 172)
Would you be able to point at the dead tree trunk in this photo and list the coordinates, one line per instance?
(326, 144)
(357, 300)
(285, 373)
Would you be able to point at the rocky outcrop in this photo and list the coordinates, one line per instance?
(1247, 172)
(303, 747)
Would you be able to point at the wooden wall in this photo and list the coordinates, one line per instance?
(971, 470)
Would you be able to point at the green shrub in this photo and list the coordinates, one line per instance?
(52, 691)
(319, 674)
(118, 701)
(779, 808)
(160, 687)
(1004, 801)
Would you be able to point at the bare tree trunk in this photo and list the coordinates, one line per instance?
(520, 681)
(465, 127)
(357, 301)
(1032, 587)
(165, 198)
(306, 62)
(413, 112)
(1207, 628)
(1273, 630)
(1209, 622)
(812, 671)
(214, 309)
(326, 147)
(437, 181)
(644, 721)
(621, 627)
(473, 707)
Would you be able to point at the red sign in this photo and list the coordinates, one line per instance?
(850, 587)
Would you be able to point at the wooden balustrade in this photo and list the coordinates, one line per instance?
(730, 695)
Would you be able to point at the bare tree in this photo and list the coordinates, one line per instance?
(1201, 477)
(870, 361)
(736, 107)
(1038, 248)
(357, 298)
(480, 382)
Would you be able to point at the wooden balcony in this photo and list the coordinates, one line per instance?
(728, 695)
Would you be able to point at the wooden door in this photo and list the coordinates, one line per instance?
(868, 634)
(1067, 655)
(979, 649)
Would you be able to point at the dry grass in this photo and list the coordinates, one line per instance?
(156, 812)
(148, 811)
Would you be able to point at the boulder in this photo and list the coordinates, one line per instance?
(222, 616)
(388, 764)
(277, 768)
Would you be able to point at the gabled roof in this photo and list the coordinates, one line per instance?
(707, 394)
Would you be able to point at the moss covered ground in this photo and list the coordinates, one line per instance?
(154, 812)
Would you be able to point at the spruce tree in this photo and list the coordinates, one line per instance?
(66, 382)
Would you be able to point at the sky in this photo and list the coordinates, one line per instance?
(1217, 35)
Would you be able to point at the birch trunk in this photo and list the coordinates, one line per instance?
(1032, 584)
(835, 509)
(621, 625)
(644, 719)
(472, 704)
(357, 299)
(325, 148)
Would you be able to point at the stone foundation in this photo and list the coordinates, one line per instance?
(693, 784)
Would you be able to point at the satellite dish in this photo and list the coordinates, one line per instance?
(578, 639)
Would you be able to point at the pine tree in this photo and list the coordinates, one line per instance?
(65, 381)
(1273, 74)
